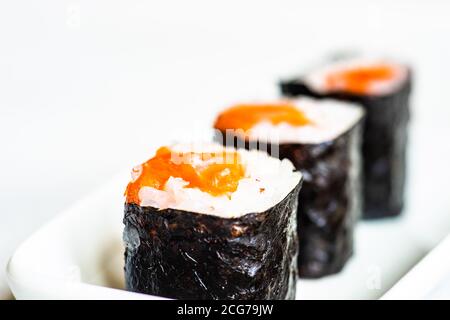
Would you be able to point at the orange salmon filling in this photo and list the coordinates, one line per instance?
(216, 173)
(359, 80)
(245, 116)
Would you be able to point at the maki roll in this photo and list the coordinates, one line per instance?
(208, 222)
(322, 139)
(383, 87)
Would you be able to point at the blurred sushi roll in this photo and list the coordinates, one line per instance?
(322, 139)
(383, 87)
(208, 222)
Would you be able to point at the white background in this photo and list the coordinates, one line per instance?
(88, 88)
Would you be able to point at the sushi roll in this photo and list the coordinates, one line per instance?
(383, 87)
(322, 139)
(208, 222)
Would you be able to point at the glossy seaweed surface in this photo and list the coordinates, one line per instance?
(330, 199)
(384, 144)
(186, 255)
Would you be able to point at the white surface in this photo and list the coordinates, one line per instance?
(430, 279)
(72, 254)
(86, 86)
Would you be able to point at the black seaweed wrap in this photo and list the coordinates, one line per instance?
(330, 199)
(384, 144)
(186, 255)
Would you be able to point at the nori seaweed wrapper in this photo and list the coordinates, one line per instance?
(384, 143)
(330, 197)
(186, 255)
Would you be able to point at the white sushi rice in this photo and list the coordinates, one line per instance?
(328, 120)
(267, 182)
(317, 78)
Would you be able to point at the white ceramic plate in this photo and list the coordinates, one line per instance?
(430, 279)
(80, 255)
